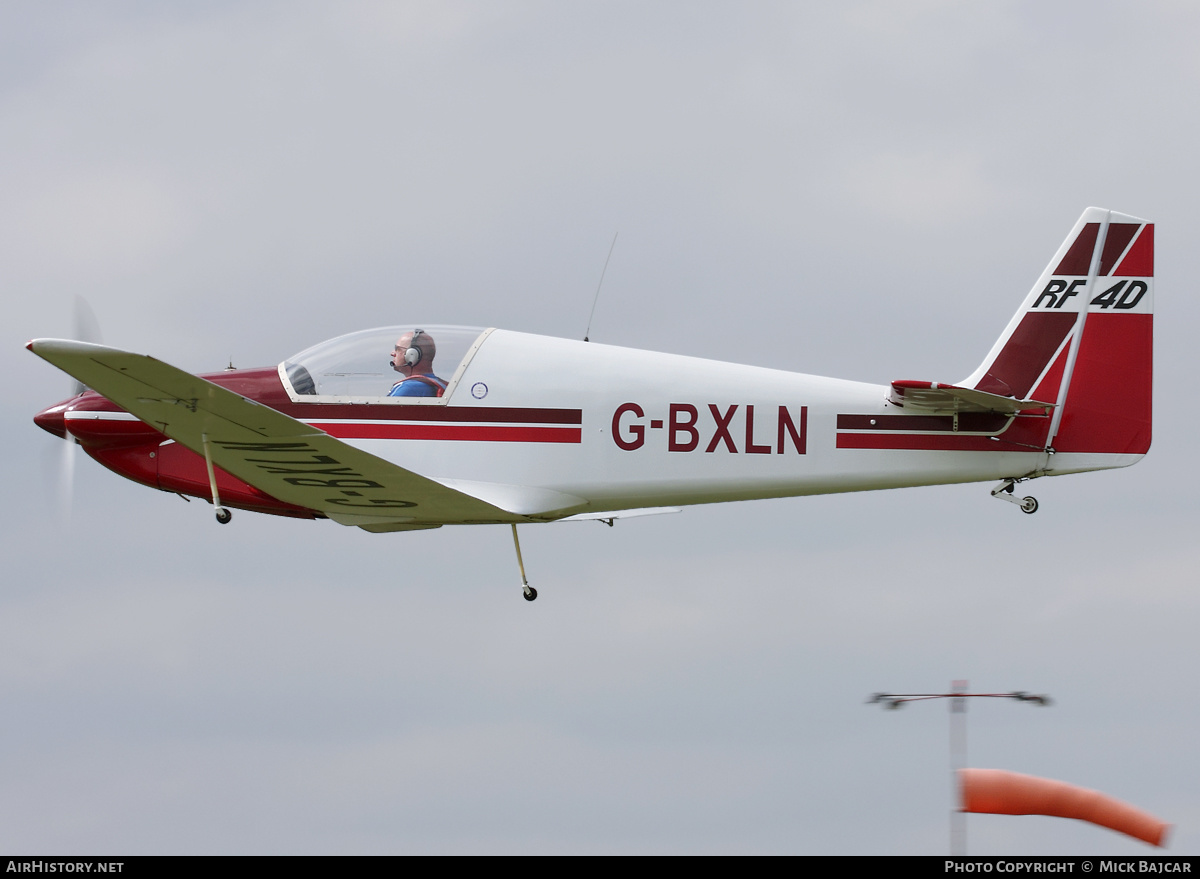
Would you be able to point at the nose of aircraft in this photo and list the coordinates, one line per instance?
(53, 418)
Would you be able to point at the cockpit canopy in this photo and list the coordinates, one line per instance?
(359, 365)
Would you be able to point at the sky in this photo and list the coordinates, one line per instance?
(864, 190)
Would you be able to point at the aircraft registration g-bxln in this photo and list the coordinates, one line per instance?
(488, 426)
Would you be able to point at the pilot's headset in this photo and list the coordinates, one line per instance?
(412, 354)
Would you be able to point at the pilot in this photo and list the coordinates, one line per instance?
(413, 358)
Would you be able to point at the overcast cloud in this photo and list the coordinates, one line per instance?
(864, 189)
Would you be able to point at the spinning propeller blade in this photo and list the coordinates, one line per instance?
(86, 329)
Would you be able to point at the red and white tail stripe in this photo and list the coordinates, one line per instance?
(1083, 338)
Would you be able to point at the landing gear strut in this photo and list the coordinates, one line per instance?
(529, 592)
(1004, 492)
(223, 515)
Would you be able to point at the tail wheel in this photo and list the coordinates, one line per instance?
(1029, 505)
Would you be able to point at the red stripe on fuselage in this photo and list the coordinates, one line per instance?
(488, 433)
(409, 412)
(968, 422)
(925, 442)
(1023, 433)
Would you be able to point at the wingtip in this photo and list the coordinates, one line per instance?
(37, 346)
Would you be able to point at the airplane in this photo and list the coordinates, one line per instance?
(511, 428)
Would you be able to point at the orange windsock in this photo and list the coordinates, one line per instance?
(1010, 793)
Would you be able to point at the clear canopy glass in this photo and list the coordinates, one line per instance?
(359, 365)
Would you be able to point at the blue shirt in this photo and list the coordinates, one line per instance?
(418, 386)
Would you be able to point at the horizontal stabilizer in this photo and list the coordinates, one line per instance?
(934, 397)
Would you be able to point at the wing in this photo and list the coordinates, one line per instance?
(934, 397)
(286, 458)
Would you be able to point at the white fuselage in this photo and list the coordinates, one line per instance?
(660, 429)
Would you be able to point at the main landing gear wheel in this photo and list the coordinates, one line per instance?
(527, 591)
(224, 515)
(1004, 492)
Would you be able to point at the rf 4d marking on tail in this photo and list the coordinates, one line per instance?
(487, 426)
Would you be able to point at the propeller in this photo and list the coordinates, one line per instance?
(85, 329)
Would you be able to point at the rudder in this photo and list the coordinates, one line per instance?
(1084, 339)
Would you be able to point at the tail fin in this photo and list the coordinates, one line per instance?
(1084, 338)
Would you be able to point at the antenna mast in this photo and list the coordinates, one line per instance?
(596, 298)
